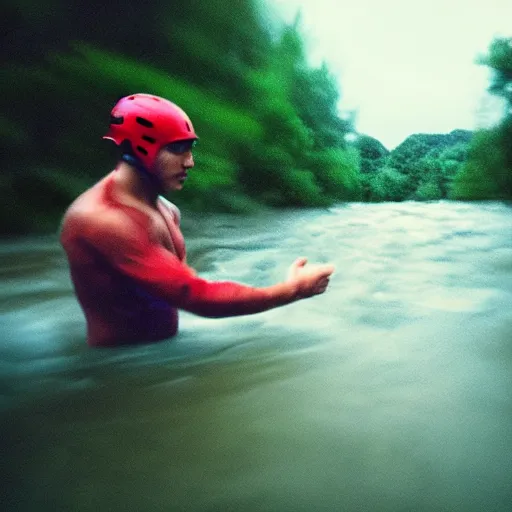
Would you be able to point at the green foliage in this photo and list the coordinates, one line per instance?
(418, 146)
(435, 178)
(428, 191)
(421, 168)
(487, 174)
(302, 188)
(372, 153)
(456, 153)
(370, 148)
(338, 173)
(499, 60)
(386, 185)
(315, 96)
(268, 123)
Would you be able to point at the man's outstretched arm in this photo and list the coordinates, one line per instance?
(129, 249)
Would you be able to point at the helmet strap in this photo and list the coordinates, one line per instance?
(135, 162)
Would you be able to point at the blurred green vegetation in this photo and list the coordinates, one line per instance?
(487, 172)
(269, 127)
(268, 122)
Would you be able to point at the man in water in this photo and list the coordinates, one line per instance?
(125, 248)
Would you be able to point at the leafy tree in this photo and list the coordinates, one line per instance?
(499, 60)
(428, 191)
(303, 143)
(338, 174)
(372, 153)
(370, 148)
(487, 173)
(315, 95)
(435, 177)
(387, 185)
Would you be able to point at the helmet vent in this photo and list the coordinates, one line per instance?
(151, 140)
(188, 126)
(142, 150)
(116, 119)
(144, 122)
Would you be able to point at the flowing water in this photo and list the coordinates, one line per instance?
(391, 392)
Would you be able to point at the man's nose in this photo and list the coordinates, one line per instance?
(189, 159)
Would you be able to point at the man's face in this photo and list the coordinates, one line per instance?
(172, 164)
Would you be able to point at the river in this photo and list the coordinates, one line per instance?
(390, 392)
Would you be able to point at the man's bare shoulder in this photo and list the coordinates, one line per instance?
(87, 218)
(175, 211)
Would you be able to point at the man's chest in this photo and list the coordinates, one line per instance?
(167, 233)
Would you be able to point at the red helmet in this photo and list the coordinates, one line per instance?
(149, 123)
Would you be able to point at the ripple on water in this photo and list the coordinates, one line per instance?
(458, 300)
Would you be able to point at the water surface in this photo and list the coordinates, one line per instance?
(391, 392)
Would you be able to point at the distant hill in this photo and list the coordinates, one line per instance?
(406, 157)
(421, 144)
(422, 167)
(374, 155)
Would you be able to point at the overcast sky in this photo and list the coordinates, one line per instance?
(407, 66)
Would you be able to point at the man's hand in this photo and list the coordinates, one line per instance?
(310, 280)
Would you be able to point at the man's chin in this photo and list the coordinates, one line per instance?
(174, 186)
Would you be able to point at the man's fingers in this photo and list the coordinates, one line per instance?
(326, 270)
(300, 262)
